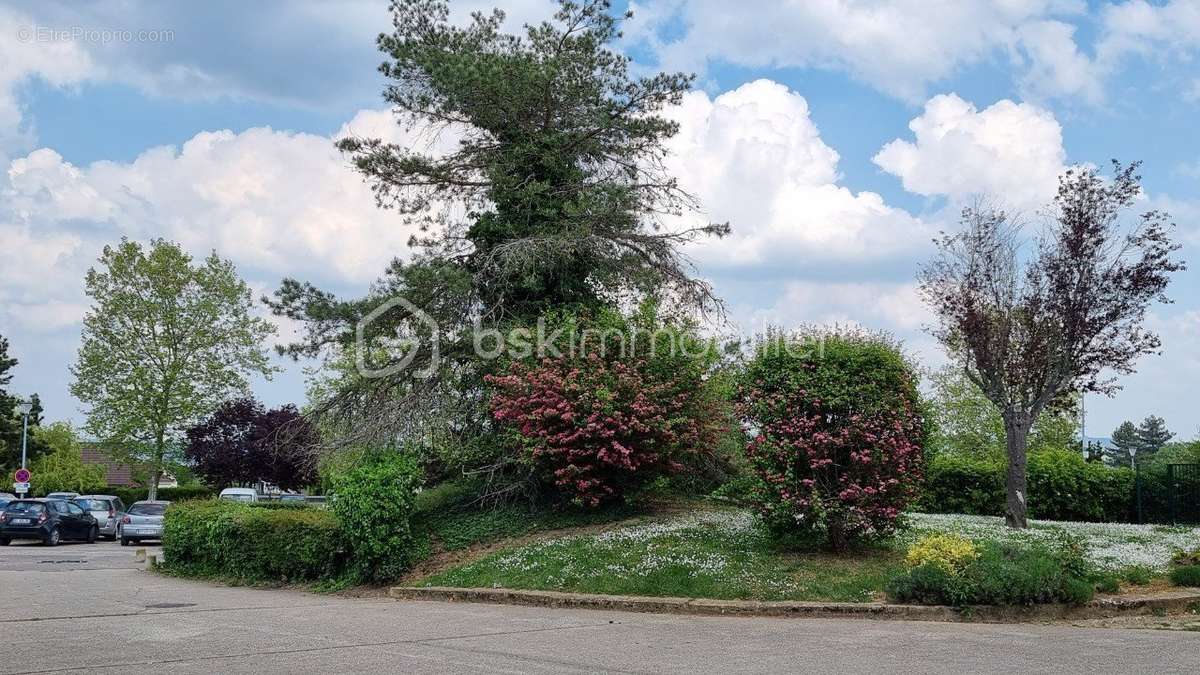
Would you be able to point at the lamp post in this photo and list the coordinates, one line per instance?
(1137, 482)
(24, 407)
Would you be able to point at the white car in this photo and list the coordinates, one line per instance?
(239, 494)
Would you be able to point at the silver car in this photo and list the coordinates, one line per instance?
(106, 509)
(65, 496)
(143, 520)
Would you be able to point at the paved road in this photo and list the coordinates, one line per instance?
(89, 608)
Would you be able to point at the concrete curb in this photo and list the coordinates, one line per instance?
(1104, 607)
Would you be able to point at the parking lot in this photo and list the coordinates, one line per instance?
(90, 608)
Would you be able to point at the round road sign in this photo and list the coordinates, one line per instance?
(21, 476)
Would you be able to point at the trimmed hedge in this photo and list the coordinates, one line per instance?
(244, 542)
(1062, 486)
(130, 495)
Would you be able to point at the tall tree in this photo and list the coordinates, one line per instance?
(7, 363)
(12, 426)
(554, 194)
(1030, 329)
(1124, 444)
(163, 344)
(1152, 435)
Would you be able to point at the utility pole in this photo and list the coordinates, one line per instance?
(24, 407)
(1083, 424)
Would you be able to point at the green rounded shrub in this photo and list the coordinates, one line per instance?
(374, 505)
(838, 435)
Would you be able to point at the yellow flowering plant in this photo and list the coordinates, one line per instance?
(946, 551)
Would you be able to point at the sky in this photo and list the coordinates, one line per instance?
(837, 137)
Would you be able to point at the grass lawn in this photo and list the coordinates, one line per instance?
(723, 554)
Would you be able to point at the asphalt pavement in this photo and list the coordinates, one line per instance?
(90, 608)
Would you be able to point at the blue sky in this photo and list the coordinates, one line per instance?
(836, 136)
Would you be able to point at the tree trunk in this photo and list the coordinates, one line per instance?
(156, 466)
(836, 531)
(1016, 436)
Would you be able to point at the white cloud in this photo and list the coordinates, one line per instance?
(895, 306)
(276, 203)
(754, 157)
(1008, 150)
(1056, 67)
(23, 56)
(1157, 30)
(270, 200)
(898, 47)
(308, 54)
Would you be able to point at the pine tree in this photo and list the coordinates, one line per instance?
(1124, 440)
(1152, 435)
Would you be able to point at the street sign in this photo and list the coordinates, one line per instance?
(21, 487)
(21, 476)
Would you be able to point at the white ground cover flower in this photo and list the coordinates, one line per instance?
(1111, 546)
(639, 550)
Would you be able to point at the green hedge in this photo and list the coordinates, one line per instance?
(130, 495)
(1062, 486)
(239, 541)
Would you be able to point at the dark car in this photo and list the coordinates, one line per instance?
(47, 520)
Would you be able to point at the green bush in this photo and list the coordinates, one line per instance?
(1062, 486)
(1002, 574)
(1186, 576)
(238, 541)
(374, 507)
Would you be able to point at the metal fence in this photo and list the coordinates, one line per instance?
(1183, 489)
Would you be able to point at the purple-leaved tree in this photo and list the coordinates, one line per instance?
(1070, 317)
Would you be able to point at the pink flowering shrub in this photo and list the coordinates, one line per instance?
(597, 427)
(836, 435)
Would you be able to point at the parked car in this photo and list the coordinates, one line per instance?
(48, 520)
(143, 520)
(62, 495)
(239, 494)
(106, 509)
(5, 498)
(293, 499)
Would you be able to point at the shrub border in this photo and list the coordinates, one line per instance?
(1104, 607)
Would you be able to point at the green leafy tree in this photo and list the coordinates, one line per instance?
(62, 468)
(164, 343)
(965, 422)
(1124, 442)
(1152, 435)
(553, 195)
